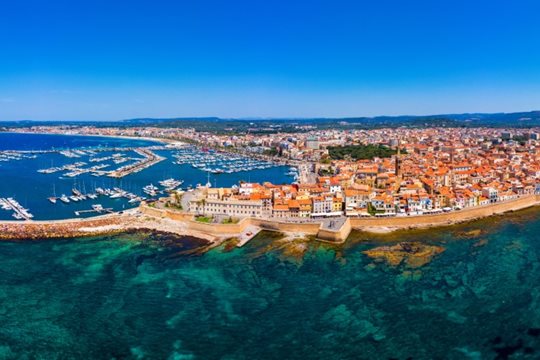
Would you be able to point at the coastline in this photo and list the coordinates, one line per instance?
(129, 220)
(182, 224)
(369, 225)
(148, 142)
(179, 223)
(157, 140)
(389, 224)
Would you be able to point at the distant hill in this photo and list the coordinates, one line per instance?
(180, 119)
(263, 125)
(517, 119)
(466, 117)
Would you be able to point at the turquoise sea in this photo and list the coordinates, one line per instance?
(150, 296)
(153, 296)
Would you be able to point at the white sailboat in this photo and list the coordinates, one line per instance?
(53, 198)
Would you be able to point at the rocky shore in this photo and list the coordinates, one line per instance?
(101, 225)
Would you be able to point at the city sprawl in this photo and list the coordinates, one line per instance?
(428, 170)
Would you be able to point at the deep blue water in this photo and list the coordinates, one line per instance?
(20, 141)
(133, 296)
(21, 180)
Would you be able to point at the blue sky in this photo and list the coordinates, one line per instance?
(108, 60)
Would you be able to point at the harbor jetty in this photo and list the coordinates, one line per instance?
(109, 224)
(149, 159)
(19, 212)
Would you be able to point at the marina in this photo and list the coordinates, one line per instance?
(13, 155)
(149, 159)
(219, 162)
(19, 212)
(96, 208)
(57, 182)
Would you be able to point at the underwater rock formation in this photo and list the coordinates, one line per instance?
(412, 254)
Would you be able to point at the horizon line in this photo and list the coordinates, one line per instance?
(263, 118)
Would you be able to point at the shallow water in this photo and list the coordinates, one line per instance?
(141, 296)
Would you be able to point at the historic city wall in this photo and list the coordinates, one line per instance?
(165, 213)
(336, 235)
(114, 223)
(306, 228)
(310, 228)
(188, 219)
(220, 229)
(341, 234)
(447, 218)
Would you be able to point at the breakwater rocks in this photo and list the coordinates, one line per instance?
(103, 225)
(12, 230)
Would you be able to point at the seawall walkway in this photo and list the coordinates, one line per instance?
(183, 224)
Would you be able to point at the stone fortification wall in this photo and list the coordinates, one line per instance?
(447, 218)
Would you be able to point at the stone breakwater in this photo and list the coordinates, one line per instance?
(102, 225)
(14, 230)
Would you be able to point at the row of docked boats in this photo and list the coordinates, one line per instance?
(6, 156)
(219, 163)
(76, 153)
(171, 184)
(167, 184)
(68, 167)
(115, 193)
(19, 212)
(76, 169)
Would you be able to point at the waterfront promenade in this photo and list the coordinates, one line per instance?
(180, 223)
(341, 228)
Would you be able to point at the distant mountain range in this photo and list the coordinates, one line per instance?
(467, 117)
(216, 124)
(518, 119)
